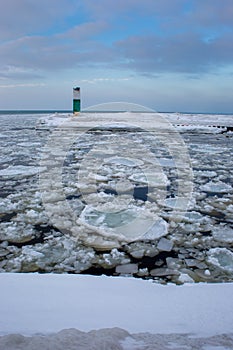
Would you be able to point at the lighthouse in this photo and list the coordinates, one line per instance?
(76, 100)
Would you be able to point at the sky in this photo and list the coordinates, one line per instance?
(168, 55)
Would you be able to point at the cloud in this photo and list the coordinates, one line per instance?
(18, 18)
(184, 53)
(85, 31)
(110, 8)
(30, 57)
(100, 80)
(14, 72)
(63, 51)
(184, 36)
(212, 13)
(12, 86)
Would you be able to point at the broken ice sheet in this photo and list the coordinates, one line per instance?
(217, 187)
(152, 178)
(166, 162)
(130, 162)
(21, 170)
(223, 233)
(16, 232)
(206, 173)
(178, 203)
(211, 149)
(127, 225)
(221, 258)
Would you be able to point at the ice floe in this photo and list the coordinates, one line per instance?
(119, 192)
(129, 162)
(20, 170)
(223, 233)
(221, 258)
(217, 187)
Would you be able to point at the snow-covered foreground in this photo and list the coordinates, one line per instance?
(197, 314)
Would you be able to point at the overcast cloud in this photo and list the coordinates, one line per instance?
(131, 37)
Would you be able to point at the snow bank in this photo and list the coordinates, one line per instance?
(36, 303)
(114, 339)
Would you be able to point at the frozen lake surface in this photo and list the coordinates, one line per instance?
(139, 196)
(133, 194)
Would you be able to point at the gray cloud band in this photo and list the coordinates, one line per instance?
(119, 160)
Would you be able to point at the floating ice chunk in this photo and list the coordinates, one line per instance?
(166, 162)
(31, 216)
(29, 144)
(31, 253)
(185, 278)
(86, 187)
(143, 272)
(21, 170)
(206, 173)
(100, 242)
(130, 162)
(153, 179)
(16, 232)
(97, 177)
(159, 229)
(223, 234)
(53, 196)
(165, 245)
(7, 206)
(213, 149)
(6, 159)
(127, 269)
(59, 254)
(113, 259)
(216, 187)
(162, 271)
(124, 186)
(195, 263)
(139, 177)
(128, 225)
(107, 219)
(139, 249)
(138, 254)
(193, 217)
(3, 252)
(178, 203)
(221, 258)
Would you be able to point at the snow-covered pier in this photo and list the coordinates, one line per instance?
(140, 121)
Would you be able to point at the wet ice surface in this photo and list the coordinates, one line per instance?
(115, 202)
